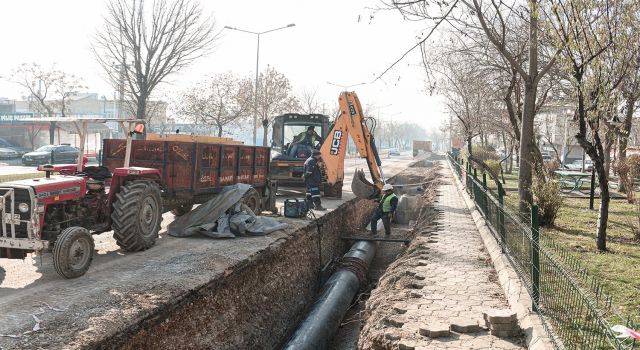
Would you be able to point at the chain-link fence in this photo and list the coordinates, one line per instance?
(575, 312)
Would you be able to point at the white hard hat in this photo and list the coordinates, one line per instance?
(387, 187)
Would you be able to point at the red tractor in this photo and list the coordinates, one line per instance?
(63, 210)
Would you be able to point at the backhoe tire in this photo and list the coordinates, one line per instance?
(182, 209)
(73, 252)
(253, 200)
(137, 214)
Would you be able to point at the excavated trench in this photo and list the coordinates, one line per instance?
(258, 302)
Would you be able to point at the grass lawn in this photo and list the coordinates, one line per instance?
(618, 270)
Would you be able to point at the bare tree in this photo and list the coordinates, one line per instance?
(309, 102)
(492, 18)
(274, 98)
(221, 100)
(140, 45)
(630, 88)
(595, 64)
(49, 90)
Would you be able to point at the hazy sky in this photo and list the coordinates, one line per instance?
(332, 41)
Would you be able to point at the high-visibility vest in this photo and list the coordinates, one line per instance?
(386, 203)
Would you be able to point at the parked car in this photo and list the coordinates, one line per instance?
(6, 144)
(51, 154)
(394, 152)
(8, 153)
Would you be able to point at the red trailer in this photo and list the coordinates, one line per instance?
(192, 172)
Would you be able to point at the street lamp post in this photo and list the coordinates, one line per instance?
(255, 98)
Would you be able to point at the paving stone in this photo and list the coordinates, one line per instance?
(464, 325)
(395, 322)
(500, 316)
(406, 345)
(435, 330)
(392, 336)
(452, 271)
(505, 326)
(504, 334)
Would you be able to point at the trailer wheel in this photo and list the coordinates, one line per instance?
(136, 217)
(253, 201)
(182, 209)
(73, 252)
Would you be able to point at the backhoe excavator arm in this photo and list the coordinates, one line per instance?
(351, 121)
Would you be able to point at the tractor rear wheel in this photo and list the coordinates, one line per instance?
(253, 200)
(182, 209)
(136, 217)
(73, 252)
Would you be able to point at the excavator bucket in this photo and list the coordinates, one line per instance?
(361, 187)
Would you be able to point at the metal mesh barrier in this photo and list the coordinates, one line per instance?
(575, 311)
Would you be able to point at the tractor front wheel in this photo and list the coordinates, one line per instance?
(73, 252)
(136, 217)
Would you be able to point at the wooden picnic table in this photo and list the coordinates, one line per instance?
(572, 180)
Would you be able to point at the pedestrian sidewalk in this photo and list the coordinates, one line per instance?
(452, 282)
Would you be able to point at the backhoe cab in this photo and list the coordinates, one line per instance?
(288, 163)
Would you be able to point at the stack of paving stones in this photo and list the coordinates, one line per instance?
(502, 323)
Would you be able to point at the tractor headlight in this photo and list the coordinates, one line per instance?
(23, 207)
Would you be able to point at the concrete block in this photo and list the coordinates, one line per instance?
(464, 325)
(435, 330)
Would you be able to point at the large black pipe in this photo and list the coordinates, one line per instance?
(327, 312)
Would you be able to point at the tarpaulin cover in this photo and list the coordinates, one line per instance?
(223, 215)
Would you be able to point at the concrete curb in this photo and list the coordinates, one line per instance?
(519, 299)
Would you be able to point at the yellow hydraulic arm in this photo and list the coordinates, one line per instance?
(351, 121)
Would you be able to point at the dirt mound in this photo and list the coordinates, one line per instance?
(397, 285)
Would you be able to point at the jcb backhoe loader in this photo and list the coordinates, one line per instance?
(350, 121)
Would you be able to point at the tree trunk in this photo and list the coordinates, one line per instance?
(141, 107)
(52, 133)
(608, 145)
(624, 136)
(265, 131)
(603, 214)
(528, 113)
(219, 130)
(526, 149)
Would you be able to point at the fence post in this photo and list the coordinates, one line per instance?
(501, 229)
(535, 256)
(468, 179)
(485, 194)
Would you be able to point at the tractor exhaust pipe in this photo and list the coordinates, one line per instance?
(326, 314)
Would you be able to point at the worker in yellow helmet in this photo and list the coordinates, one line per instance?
(387, 206)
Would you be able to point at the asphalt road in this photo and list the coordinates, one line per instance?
(120, 285)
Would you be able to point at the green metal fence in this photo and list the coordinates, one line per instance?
(575, 312)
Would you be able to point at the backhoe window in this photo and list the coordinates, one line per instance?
(291, 131)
